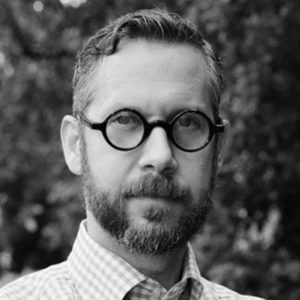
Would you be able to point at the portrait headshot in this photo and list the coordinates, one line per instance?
(148, 151)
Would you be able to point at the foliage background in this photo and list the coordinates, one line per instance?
(251, 242)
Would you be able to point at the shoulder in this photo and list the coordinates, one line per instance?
(219, 292)
(51, 283)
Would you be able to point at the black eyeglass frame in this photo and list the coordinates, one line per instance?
(148, 126)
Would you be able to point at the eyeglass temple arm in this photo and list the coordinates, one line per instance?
(219, 127)
(86, 122)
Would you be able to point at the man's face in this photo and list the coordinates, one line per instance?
(154, 198)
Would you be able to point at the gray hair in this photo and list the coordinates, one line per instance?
(152, 25)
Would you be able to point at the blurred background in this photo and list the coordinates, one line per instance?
(252, 240)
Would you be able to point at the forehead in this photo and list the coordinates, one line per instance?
(150, 76)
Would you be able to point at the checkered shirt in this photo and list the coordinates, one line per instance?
(93, 273)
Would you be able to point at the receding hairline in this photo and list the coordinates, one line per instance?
(92, 75)
(155, 25)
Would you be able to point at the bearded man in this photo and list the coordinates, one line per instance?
(145, 136)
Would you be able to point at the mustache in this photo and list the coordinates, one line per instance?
(157, 186)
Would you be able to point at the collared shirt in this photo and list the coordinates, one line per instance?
(93, 273)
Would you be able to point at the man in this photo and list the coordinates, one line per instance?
(145, 135)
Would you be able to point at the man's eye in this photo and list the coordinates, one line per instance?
(125, 120)
(188, 122)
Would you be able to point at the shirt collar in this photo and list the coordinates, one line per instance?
(97, 271)
(189, 285)
(191, 269)
(191, 272)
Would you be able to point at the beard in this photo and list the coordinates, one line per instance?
(156, 236)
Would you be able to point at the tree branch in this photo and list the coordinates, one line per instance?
(29, 46)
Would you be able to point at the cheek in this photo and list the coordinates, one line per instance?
(108, 166)
(196, 169)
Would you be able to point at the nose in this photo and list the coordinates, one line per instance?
(157, 155)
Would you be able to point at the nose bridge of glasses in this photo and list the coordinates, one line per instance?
(159, 139)
(158, 123)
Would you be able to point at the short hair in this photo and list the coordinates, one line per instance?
(149, 24)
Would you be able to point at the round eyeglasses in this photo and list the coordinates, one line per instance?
(126, 129)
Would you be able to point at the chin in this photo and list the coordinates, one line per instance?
(153, 238)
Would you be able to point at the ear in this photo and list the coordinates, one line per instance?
(70, 139)
(223, 143)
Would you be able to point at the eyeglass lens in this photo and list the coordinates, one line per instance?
(190, 130)
(125, 129)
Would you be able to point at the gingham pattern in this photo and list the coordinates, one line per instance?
(93, 273)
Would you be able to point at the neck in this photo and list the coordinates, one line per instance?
(164, 268)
